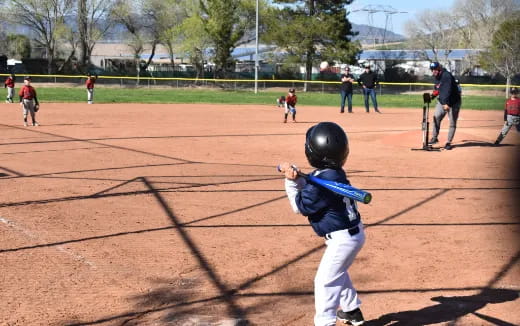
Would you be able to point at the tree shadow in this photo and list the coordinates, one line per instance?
(450, 309)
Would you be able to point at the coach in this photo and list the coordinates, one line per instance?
(368, 80)
(448, 101)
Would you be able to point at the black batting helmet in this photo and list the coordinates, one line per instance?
(514, 90)
(326, 146)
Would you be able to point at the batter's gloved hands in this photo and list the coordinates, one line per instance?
(289, 170)
(36, 107)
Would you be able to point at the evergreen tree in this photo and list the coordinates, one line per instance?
(314, 30)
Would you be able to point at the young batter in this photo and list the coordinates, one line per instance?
(28, 101)
(511, 115)
(333, 217)
(9, 84)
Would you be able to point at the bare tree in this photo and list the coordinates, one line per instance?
(433, 30)
(502, 55)
(93, 24)
(477, 20)
(44, 18)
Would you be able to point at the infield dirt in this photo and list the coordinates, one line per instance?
(124, 214)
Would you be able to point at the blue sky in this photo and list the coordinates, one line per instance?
(412, 7)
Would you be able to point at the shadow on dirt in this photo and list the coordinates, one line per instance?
(478, 143)
(450, 309)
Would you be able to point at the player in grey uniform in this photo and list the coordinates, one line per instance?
(28, 101)
(448, 102)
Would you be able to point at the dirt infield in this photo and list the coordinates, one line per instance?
(174, 215)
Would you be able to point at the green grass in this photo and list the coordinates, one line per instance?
(179, 95)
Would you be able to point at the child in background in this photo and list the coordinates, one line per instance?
(511, 115)
(333, 217)
(91, 80)
(280, 102)
(9, 84)
(290, 105)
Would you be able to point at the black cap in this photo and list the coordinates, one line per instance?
(27, 78)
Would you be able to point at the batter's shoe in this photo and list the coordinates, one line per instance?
(448, 146)
(36, 124)
(284, 120)
(25, 124)
(433, 141)
(354, 317)
(499, 139)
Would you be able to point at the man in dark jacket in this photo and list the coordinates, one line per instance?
(448, 102)
(346, 89)
(368, 80)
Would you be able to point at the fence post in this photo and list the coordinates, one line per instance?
(121, 82)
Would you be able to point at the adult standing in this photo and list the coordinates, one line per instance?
(346, 89)
(448, 102)
(368, 80)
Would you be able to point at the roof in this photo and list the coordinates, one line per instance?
(418, 55)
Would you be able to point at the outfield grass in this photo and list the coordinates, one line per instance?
(151, 95)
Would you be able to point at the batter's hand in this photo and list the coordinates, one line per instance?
(446, 107)
(289, 170)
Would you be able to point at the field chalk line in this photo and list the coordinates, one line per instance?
(33, 236)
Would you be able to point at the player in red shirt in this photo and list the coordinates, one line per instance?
(9, 84)
(511, 115)
(28, 101)
(290, 105)
(91, 80)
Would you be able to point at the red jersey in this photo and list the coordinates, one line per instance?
(9, 82)
(27, 92)
(291, 100)
(90, 83)
(513, 106)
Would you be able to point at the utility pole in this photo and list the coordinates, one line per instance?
(256, 51)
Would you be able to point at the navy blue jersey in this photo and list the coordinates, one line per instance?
(327, 212)
(448, 88)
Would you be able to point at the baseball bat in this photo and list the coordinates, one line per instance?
(337, 187)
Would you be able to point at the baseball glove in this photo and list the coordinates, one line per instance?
(36, 107)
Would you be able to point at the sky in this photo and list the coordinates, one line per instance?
(397, 22)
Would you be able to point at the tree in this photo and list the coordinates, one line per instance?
(502, 56)
(126, 12)
(18, 46)
(44, 18)
(313, 31)
(192, 37)
(92, 25)
(433, 30)
(477, 20)
(226, 22)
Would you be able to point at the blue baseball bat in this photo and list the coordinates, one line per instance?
(337, 187)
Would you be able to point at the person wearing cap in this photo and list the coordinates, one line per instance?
(9, 84)
(91, 80)
(368, 80)
(448, 102)
(28, 101)
(290, 105)
(346, 89)
(511, 115)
